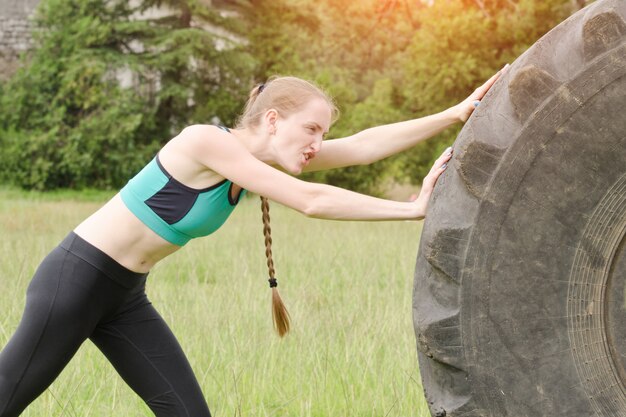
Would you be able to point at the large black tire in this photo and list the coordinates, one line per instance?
(519, 300)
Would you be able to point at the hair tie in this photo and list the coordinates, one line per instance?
(273, 282)
(261, 87)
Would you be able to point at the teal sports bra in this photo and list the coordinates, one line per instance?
(174, 211)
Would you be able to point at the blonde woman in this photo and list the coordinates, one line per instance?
(92, 286)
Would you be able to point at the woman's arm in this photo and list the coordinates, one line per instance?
(376, 143)
(217, 150)
(380, 142)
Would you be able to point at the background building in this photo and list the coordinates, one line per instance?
(14, 32)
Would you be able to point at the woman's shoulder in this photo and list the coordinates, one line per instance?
(202, 131)
(198, 139)
(184, 157)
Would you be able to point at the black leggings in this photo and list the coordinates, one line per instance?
(79, 292)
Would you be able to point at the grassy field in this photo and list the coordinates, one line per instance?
(347, 286)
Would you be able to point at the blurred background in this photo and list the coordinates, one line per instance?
(90, 89)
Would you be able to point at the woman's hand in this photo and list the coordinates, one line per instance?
(428, 185)
(467, 106)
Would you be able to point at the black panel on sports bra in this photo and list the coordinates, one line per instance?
(172, 203)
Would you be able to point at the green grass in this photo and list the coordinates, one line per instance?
(347, 286)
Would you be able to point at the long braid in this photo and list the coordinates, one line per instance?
(286, 95)
(279, 311)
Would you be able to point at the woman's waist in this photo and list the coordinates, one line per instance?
(116, 231)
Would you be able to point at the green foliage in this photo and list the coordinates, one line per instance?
(387, 61)
(460, 44)
(103, 90)
(275, 31)
(66, 120)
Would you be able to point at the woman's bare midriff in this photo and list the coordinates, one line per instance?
(116, 231)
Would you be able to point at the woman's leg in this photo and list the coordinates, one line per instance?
(147, 355)
(57, 319)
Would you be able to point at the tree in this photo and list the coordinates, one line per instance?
(106, 85)
(459, 45)
(392, 60)
(65, 119)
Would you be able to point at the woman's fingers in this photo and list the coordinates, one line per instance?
(443, 159)
(466, 108)
(428, 184)
(437, 169)
(482, 90)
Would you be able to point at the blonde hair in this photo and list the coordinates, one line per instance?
(279, 311)
(286, 95)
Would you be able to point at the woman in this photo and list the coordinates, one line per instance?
(92, 285)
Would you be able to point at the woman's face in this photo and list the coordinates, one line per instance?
(298, 137)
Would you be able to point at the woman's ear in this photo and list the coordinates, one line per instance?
(271, 117)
